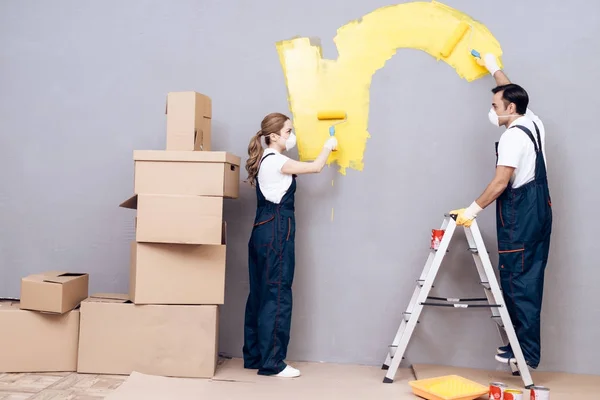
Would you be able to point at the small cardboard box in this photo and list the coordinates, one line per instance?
(54, 291)
(188, 121)
(177, 219)
(37, 342)
(118, 337)
(201, 173)
(177, 273)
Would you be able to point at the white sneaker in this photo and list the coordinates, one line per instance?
(288, 372)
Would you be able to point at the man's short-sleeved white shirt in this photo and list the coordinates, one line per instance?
(515, 149)
(272, 182)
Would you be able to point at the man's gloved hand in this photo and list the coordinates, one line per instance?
(331, 143)
(465, 216)
(491, 63)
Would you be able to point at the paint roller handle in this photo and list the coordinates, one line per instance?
(332, 133)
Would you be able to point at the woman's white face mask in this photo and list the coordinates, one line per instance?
(290, 142)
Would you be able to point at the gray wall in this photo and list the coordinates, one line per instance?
(83, 84)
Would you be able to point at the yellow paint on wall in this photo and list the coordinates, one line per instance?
(316, 84)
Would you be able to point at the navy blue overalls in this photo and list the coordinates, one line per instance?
(524, 224)
(271, 262)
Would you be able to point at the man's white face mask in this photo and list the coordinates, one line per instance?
(495, 119)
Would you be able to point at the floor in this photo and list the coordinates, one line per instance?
(57, 386)
(319, 381)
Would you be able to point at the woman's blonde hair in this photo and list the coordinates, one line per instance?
(272, 123)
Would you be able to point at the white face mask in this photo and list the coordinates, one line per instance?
(290, 142)
(493, 117)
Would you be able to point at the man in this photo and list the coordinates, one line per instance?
(523, 211)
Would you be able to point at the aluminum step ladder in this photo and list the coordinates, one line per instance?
(420, 298)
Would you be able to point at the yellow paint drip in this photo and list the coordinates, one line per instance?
(315, 84)
(332, 213)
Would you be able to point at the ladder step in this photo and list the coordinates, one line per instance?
(460, 305)
(486, 285)
(455, 300)
(475, 251)
(498, 320)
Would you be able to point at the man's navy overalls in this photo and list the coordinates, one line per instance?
(271, 261)
(524, 224)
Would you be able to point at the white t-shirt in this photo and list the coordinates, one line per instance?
(273, 184)
(515, 149)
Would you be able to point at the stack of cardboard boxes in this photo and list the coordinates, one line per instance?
(168, 324)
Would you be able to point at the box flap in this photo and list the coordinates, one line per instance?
(61, 277)
(186, 156)
(130, 203)
(109, 298)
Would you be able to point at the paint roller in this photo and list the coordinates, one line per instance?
(331, 116)
(453, 40)
(456, 37)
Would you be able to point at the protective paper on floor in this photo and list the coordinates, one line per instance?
(232, 381)
(562, 386)
(316, 84)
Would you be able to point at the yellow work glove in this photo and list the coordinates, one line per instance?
(465, 216)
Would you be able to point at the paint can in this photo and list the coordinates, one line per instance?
(436, 238)
(513, 394)
(540, 393)
(497, 390)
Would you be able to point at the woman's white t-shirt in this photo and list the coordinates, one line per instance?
(273, 183)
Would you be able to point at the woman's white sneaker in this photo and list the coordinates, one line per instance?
(288, 372)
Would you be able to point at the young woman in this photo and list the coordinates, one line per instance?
(271, 256)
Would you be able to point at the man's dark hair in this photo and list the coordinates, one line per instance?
(513, 93)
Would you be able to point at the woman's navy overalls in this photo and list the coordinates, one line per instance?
(524, 224)
(271, 261)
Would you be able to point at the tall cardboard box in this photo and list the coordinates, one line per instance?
(203, 173)
(118, 337)
(188, 121)
(54, 291)
(177, 219)
(177, 273)
(37, 342)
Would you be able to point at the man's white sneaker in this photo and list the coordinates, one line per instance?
(288, 372)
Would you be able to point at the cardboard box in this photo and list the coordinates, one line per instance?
(37, 342)
(188, 121)
(177, 219)
(118, 337)
(54, 291)
(177, 273)
(214, 173)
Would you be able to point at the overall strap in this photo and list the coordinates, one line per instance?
(265, 156)
(528, 133)
(262, 159)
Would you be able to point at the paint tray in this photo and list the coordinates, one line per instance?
(449, 387)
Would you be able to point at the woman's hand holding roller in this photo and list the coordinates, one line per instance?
(331, 143)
